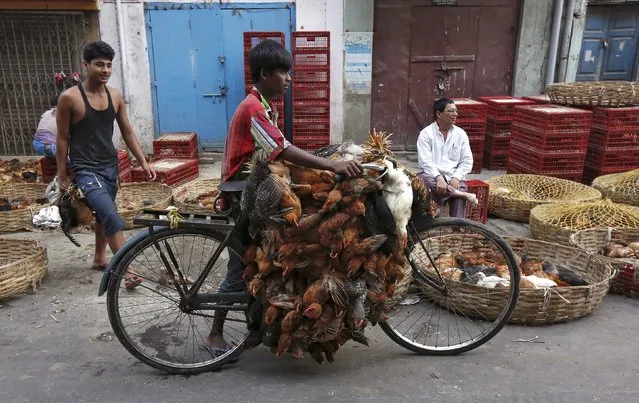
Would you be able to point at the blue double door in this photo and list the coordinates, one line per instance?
(609, 47)
(196, 57)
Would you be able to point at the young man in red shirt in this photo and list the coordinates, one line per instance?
(253, 133)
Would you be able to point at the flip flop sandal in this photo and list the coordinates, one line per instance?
(98, 267)
(132, 282)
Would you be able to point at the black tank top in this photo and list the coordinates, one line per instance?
(91, 139)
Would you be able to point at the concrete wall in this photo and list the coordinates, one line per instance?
(311, 15)
(532, 47)
(358, 17)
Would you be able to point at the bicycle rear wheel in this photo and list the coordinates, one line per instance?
(150, 321)
(462, 316)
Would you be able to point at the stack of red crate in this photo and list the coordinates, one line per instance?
(124, 166)
(178, 145)
(49, 168)
(538, 99)
(172, 172)
(250, 40)
(498, 129)
(471, 116)
(311, 89)
(549, 140)
(613, 145)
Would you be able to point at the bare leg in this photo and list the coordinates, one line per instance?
(99, 258)
(469, 197)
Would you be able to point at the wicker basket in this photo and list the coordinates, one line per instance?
(556, 222)
(534, 306)
(142, 195)
(184, 196)
(592, 240)
(20, 219)
(620, 187)
(23, 264)
(594, 93)
(513, 196)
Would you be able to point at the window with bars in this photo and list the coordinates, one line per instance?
(33, 47)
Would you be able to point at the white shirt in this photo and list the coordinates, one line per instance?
(451, 157)
(47, 122)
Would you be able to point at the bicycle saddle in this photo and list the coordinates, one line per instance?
(231, 186)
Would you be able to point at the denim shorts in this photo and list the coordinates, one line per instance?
(100, 187)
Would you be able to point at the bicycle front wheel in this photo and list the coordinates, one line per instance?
(462, 314)
(151, 321)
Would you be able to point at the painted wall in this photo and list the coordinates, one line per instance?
(311, 15)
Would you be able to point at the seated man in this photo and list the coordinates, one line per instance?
(253, 133)
(444, 157)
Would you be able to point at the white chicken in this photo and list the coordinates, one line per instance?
(398, 195)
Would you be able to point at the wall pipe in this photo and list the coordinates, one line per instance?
(123, 58)
(566, 39)
(554, 42)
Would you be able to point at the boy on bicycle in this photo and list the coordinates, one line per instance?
(253, 133)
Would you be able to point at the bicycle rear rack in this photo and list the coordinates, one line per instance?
(159, 218)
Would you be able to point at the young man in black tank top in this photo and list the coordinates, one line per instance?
(84, 120)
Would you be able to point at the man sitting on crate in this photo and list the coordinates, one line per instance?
(253, 133)
(444, 157)
(84, 118)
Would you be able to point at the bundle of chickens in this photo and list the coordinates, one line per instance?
(14, 171)
(488, 270)
(621, 250)
(325, 254)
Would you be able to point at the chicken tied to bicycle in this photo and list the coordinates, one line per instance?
(326, 255)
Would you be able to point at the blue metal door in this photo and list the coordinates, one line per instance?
(197, 62)
(609, 47)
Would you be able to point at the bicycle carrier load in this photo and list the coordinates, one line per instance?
(326, 256)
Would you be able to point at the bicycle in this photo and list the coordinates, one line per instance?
(164, 321)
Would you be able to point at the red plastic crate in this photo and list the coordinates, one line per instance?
(624, 159)
(549, 142)
(553, 118)
(311, 75)
(613, 139)
(180, 145)
(478, 158)
(497, 144)
(311, 92)
(311, 127)
(170, 171)
(311, 143)
(591, 172)
(311, 40)
(470, 110)
(474, 129)
(49, 168)
(495, 162)
(498, 128)
(476, 145)
(312, 108)
(311, 58)
(253, 38)
(542, 162)
(616, 119)
(479, 212)
(501, 107)
(515, 167)
(538, 99)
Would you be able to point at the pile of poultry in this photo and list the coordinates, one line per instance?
(621, 250)
(489, 270)
(205, 199)
(325, 254)
(14, 171)
(17, 203)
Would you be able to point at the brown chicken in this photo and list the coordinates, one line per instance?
(256, 287)
(302, 190)
(250, 271)
(290, 321)
(529, 266)
(333, 197)
(356, 208)
(284, 343)
(305, 224)
(289, 202)
(332, 224)
(270, 314)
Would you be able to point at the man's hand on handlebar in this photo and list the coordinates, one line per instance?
(347, 168)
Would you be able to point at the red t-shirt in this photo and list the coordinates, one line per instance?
(252, 133)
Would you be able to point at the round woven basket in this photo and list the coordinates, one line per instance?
(626, 281)
(556, 222)
(534, 306)
(513, 196)
(621, 187)
(185, 196)
(594, 93)
(135, 196)
(20, 219)
(23, 264)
